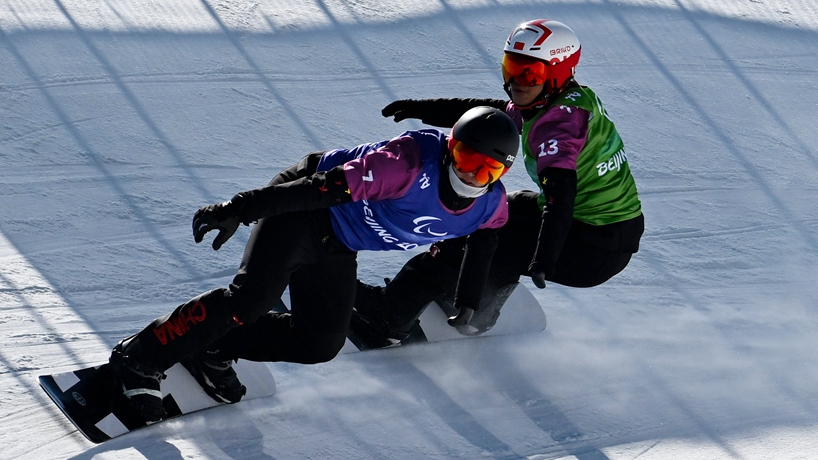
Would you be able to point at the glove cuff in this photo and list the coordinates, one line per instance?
(237, 206)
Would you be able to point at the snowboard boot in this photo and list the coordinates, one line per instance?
(216, 377)
(369, 300)
(369, 318)
(369, 333)
(137, 381)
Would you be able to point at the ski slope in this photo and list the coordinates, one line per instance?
(119, 118)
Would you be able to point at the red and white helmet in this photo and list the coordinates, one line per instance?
(551, 42)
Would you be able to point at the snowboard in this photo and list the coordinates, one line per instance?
(89, 399)
(514, 310)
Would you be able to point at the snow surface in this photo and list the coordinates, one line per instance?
(119, 118)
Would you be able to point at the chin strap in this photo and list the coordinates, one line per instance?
(462, 189)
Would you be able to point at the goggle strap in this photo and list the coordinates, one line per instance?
(452, 143)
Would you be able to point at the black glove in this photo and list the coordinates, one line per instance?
(462, 318)
(403, 109)
(223, 217)
(442, 113)
(538, 275)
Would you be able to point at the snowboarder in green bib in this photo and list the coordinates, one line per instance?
(578, 229)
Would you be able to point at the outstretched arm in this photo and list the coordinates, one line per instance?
(319, 190)
(442, 113)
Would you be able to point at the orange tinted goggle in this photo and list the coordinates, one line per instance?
(524, 70)
(467, 160)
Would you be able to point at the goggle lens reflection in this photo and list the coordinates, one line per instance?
(467, 160)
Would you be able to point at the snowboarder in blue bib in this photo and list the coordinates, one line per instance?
(311, 220)
(581, 225)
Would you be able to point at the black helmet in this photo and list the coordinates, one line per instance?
(489, 131)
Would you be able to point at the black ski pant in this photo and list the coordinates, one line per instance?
(300, 251)
(297, 249)
(590, 256)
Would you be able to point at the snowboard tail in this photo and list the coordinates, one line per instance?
(89, 398)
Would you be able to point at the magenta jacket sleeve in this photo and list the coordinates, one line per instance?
(385, 173)
(558, 136)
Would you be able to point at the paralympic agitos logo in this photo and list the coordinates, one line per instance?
(425, 226)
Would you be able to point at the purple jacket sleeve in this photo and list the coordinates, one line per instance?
(384, 173)
(557, 137)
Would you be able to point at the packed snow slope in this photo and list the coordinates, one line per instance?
(119, 118)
